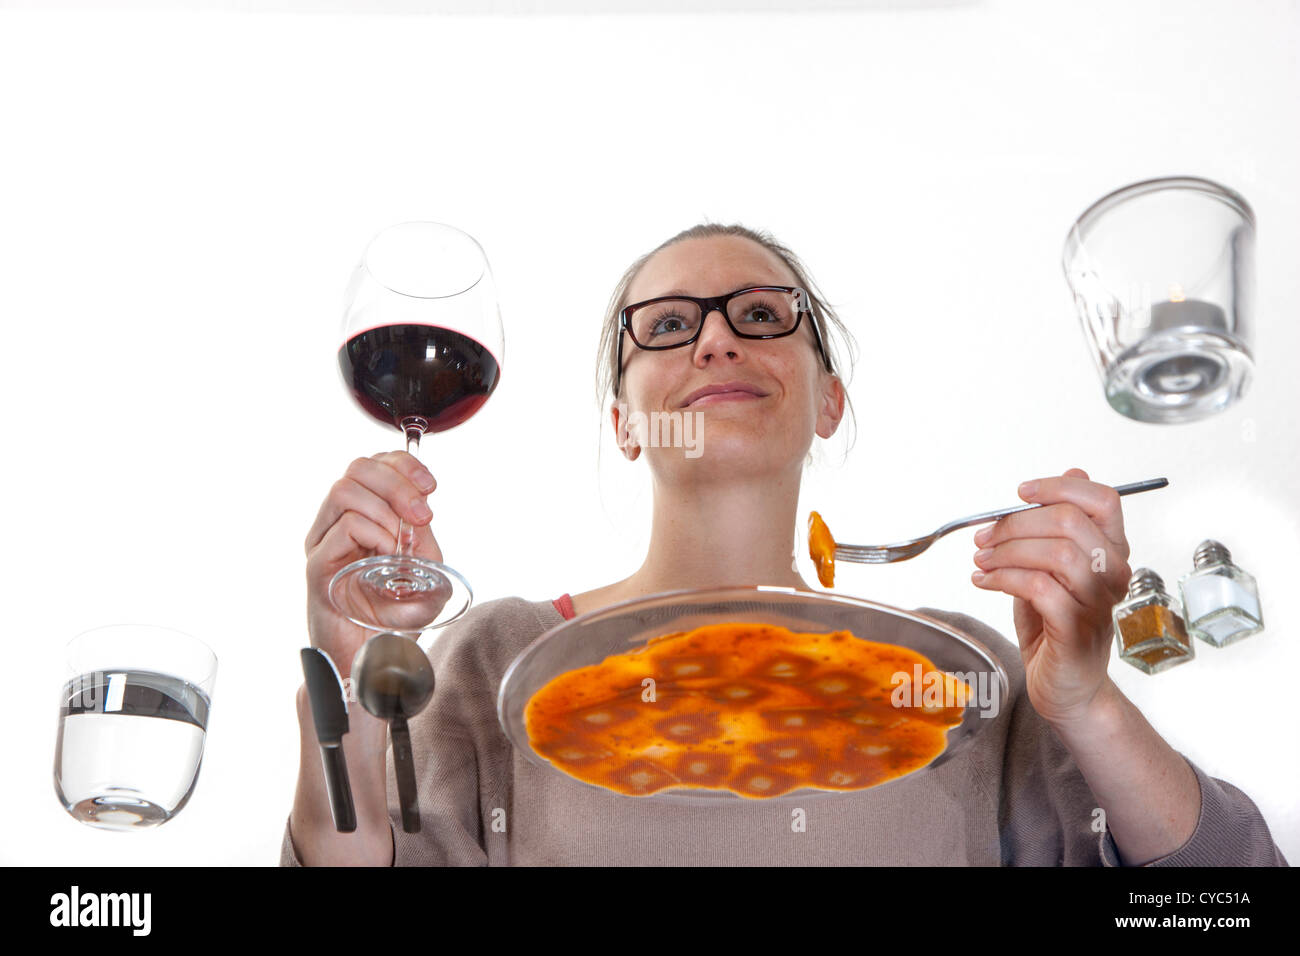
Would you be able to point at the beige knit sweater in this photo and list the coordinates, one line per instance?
(1014, 797)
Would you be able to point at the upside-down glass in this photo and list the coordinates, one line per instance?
(422, 351)
(133, 716)
(1163, 275)
(757, 312)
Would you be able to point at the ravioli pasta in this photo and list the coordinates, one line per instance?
(821, 548)
(755, 709)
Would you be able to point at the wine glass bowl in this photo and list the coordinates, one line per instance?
(421, 352)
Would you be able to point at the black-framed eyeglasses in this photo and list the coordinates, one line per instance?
(756, 312)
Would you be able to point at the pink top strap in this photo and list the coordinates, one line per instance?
(564, 604)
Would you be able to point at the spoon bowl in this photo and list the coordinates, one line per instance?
(393, 676)
(394, 681)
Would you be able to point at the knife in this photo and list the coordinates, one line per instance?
(329, 711)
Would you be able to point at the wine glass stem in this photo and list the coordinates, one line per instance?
(413, 428)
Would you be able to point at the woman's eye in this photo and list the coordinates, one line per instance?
(759, 315)
(665, 324)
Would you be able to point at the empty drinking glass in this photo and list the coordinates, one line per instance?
(1163, 276)
(133, 714)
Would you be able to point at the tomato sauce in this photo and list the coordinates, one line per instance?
(755, 709)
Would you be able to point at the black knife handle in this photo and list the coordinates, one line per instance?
(340, 791)
(404, 770)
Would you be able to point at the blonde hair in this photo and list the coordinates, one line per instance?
(822, 314)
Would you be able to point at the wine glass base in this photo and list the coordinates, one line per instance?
(403, 595)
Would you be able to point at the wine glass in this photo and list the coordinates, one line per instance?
(422, 351)
(133, 717)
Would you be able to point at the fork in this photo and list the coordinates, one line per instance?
(902, 550)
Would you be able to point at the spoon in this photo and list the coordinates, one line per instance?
(394, 681)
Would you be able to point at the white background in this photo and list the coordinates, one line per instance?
(185, 194)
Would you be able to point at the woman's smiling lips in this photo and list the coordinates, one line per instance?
(717, 397)
(723, 392)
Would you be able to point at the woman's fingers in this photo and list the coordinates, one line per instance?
(354, 536)
(426, 545)
(350, 537)
(1075, 569)
(391, 482)
(387, 475)
(1100, 503)
(1039, 588)
(1106, 559)
(346, 495)
(409, 466)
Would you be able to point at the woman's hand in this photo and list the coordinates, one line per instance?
(359, 518)
(1066, 565)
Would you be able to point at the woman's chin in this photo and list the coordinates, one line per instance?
(731, 447)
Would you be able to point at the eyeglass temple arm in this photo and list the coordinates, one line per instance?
(618, 367)
(826, 359)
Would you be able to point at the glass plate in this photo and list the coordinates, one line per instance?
(590, 638)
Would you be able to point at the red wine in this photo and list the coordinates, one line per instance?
(436, 375)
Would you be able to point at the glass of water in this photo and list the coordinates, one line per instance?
(1163, 276)
(133, 714)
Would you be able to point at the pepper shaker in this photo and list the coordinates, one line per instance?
(1149, 632)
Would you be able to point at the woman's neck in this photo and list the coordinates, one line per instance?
(722, 532)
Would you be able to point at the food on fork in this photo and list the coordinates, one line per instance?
(821, 547)
(755, 709)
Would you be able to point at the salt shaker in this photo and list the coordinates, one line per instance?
(1220, 599)
(1149, 632)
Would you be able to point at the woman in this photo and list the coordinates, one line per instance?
(1070, 772)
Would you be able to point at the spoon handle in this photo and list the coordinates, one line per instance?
(404, 769)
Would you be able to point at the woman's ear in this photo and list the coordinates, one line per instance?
(832, 407)
(626, 444)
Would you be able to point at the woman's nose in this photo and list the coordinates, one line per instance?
(716, 337)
